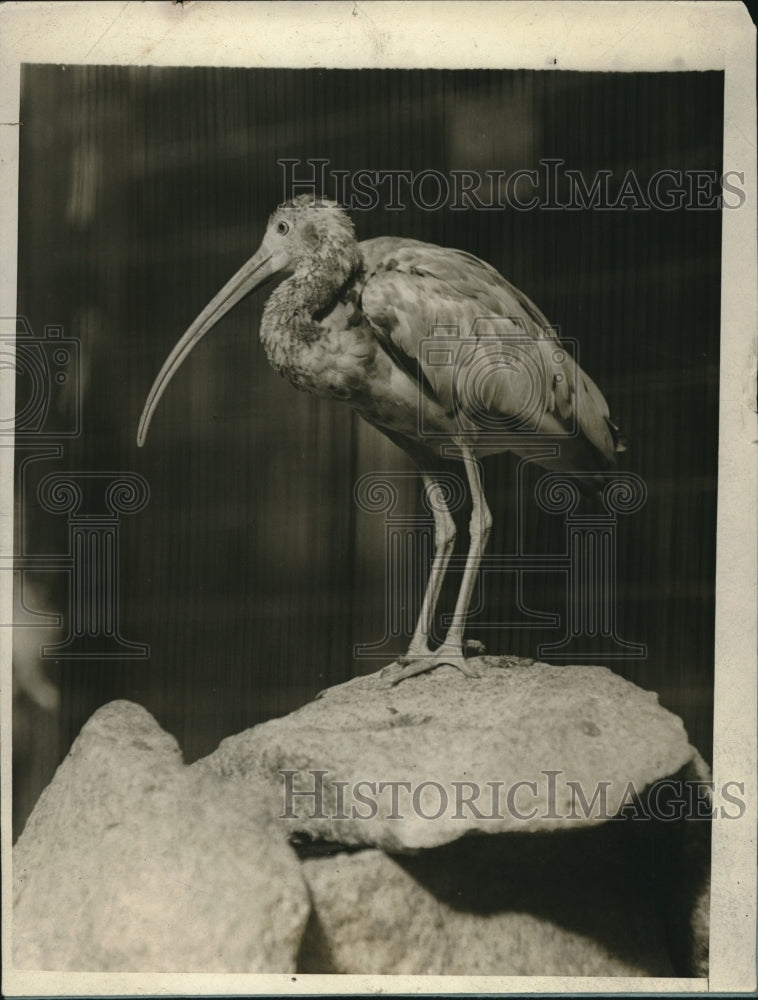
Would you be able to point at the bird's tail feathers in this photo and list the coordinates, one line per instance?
(619, 441)
(584, 465)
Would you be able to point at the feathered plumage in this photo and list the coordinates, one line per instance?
(430, 345)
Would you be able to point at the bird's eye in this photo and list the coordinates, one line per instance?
(282, 228)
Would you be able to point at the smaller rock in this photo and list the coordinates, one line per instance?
(132, 862)
(684, 882)
(513, 905)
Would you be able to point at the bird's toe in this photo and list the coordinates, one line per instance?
(391, 671)
(460, 662)
(412, 665)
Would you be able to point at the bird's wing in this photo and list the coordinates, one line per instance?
(479, 343)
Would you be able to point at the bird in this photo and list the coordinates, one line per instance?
(434, 348)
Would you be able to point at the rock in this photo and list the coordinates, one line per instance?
(550, 904)
(684, 880)
(526, 747)
(132, 862)
(625, 898)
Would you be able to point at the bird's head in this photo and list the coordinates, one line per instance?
(308, 231)
(304, 236)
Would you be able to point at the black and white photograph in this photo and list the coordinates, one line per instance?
(378, 396)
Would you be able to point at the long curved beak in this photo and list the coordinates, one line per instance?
(258, 269)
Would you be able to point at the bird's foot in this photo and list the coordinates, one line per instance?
(418, 662)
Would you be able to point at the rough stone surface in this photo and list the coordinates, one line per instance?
(686, 883)
(133, 862)
(440, 732)
(563, 904)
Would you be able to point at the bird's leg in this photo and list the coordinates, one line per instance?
(444, 540)
(450, 651)
(479, 530)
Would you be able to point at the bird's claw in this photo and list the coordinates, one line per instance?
(413, 664)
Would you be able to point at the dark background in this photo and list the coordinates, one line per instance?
(251, 573)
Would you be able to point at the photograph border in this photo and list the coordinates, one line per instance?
(591, 35)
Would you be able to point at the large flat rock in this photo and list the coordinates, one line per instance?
(525, 747)
(133, 862)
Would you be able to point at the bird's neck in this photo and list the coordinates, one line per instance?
(304, 294)
(293, 309)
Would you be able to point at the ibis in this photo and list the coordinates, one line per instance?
(434, 348)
